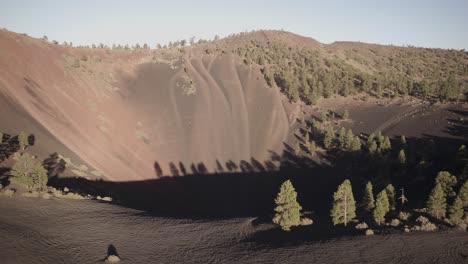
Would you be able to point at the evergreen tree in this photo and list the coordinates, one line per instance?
(324, 116)
(402, 157)
(447, 181)
(22, 140)
(349, 138)
(373, 147)
(368, 202)
(312, 147)
(342, 137)
(288, 210)
(329, 137)
(386, 145)
(355, 144)
(463, 194)
(297, 148)
(307, 138)
(437, 204)
(461, 153)
(382, 207)
(29, 173)
(344, 206)
(39, 177)
(345, 114)
(456, 211)
(390, 190)
(380, 138)
(403, 140)
(370, 139)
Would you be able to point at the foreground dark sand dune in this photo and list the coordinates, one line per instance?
(67, 231)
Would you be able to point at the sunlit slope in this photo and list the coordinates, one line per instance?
(120, 111)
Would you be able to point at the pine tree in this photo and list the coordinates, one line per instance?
(29, 173)
(463, 194)
(39, 177)
(312, 147)
(402, 157)
(461, 153)
(370, 140)
(368, 202)
(345, 114)
(307, 138)
(437, 203)
(447, 181)
(297, 148)
(342, 137)
(373, 147)
(456, 211)
(349, 138)
(288, 210)
(382, 207)
(329, 137)
(355, 144)
(22, 140)
(380, 138)
(385, 145)
(344, 206)
(403, 140)
(390, 190)
(324, 116)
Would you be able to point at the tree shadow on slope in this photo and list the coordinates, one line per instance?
(248, 187)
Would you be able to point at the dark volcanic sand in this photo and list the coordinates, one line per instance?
(68, 231)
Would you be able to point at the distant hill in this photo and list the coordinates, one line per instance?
(124, 112)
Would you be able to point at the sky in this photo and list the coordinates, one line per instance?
(422, 23)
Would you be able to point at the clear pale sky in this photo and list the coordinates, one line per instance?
(427, 23)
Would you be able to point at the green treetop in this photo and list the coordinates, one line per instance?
(447, 181)
(390, 190)
(437, 203)
(22, 140)
(382, 207)
(344, 206)
(456, 211)
(368, 202)
(288, 210)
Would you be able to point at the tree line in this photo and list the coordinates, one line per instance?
(442, 202)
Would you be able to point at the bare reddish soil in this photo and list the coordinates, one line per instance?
(119, 112)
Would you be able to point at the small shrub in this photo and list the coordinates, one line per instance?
(425, 224)
(395, 222)
(305, 221)
(404, 216)
(369, 232)
(112, 259)
(361, 226)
